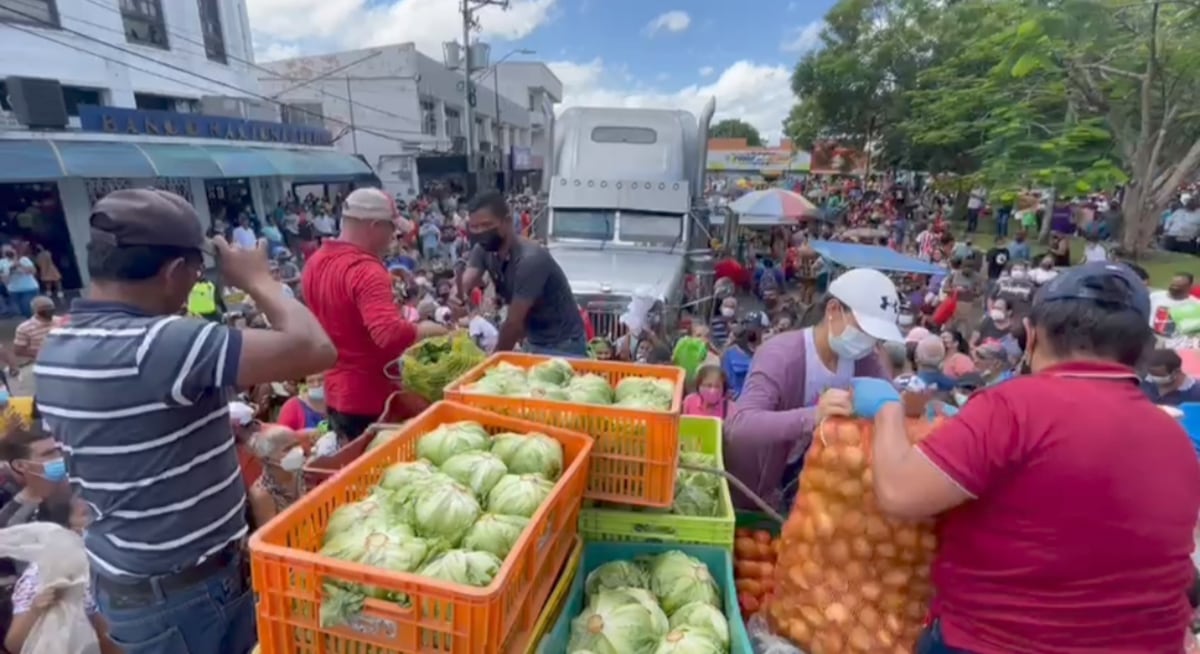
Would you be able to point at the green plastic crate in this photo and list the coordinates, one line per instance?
(718, 560)
(607, 524)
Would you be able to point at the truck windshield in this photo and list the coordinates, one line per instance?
(583, 223)
(650, 228)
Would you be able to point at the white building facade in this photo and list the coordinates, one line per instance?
(535, 86)
(403, 112)
(97, 95)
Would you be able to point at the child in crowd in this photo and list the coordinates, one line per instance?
(712, 394)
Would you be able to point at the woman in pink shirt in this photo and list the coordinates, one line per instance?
(711, 397)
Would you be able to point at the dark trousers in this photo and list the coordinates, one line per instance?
(972, 220)
(349, 426)
(931, 642)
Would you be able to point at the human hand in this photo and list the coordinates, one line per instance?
(871, 394)
(245, 269)
(834, 403)
(45, 599)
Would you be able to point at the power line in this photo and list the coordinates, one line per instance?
(180, 69)
(204, 51)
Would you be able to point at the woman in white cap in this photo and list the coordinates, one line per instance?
(281, 483)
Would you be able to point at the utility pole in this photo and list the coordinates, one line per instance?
(350, 102)
(469, 22)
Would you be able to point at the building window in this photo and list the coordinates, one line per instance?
(74, 96)
(214, 37)
(165, 103)
(4, 105)
(43, 13)
(144, 23)
(428, 118)
(309, 114)
(532, 101)
(633, 135)
(453, 123)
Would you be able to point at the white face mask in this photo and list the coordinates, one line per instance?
(996, 314)
(728, 312)
(1019, 274)
(1158, 381)
(851, 344)
(960, 398)
(293, 460)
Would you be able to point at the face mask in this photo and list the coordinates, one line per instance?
(54, 470)
(316, 393)
(960, 398)
(1018, 274)
(710, 395)
(997, 314)
(728, 312)
(490, 240)
(1158, 381)
(293, 460)
(851, 344)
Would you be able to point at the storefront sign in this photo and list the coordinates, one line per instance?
(758, 159)
(115, 120)
(522, 158)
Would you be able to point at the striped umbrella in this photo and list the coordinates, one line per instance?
(773, 205)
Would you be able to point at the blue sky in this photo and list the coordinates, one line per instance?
(623, 52)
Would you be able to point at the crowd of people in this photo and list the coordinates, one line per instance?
(177, 406)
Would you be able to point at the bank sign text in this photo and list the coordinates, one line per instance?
(114, 120)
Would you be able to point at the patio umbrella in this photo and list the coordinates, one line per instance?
(773, 205)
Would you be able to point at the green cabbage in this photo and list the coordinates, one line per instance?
(384, 437)
(395, 550)
(556, 371)
(616, 574)
(478, 471)
(589, 389)
(372, 512)
(688, 640)
(623, 621)
(533, 453)
(702, 616)
(463, 567)
(399, 475)
(547, 391)
(348, 543)
(507, 384)
(677, 579)
(444, 512)
(645, 393)
(692, 499)
(519, 495)
(495, 533)
(447, 440)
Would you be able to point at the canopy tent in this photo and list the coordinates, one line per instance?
(853, 255)
(773, 206)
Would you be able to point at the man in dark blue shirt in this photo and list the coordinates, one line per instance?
(1166, 382)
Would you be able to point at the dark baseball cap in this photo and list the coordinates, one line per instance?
(1108, 282)
(147, 217)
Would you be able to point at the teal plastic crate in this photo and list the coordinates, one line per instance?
(718, 560)
(696, 434)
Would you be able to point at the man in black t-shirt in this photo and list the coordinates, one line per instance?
(541, 308)
(997, 259)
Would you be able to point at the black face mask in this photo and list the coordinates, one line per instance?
(490, 240)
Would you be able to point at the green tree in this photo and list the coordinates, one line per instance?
(732, 128)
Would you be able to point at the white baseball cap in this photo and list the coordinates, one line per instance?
(873, 300)
(240, 413)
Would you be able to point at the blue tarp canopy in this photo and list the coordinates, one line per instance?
(853, 255)
(32, 160)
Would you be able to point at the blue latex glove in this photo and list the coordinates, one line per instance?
(871, 394)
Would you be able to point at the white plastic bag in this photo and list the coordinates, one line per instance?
(62, 566)
(639, 307)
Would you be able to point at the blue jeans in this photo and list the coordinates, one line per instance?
(23, 300)
(1002, 218)
(212, 616)
(571, 349)
(930, 642)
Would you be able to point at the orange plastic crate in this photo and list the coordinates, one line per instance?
(634, 461)
(445, 618)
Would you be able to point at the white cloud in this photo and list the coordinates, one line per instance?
(311, 26)
(672, 21)
(758, 94)
(804, 39)
(705, 71)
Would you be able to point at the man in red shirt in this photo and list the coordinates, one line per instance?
(350, 292)
(1060, 528)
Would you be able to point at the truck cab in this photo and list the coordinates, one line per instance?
(625, 211)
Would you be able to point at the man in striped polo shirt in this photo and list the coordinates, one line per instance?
(138, 398)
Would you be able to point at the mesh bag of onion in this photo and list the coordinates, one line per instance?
(849, 578)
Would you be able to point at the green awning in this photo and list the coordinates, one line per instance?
(28, 161)
(181, 160)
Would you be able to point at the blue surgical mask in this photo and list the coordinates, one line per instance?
(851, 344)
(54, 470)
(316, 393)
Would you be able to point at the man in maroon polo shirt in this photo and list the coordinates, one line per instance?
(1065, 499)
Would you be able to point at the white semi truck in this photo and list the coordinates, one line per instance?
(625, 210)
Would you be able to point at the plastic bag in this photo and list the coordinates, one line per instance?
(639, 308)
(434, 362)
(63, 566)
(849, 578)
(765, 641)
